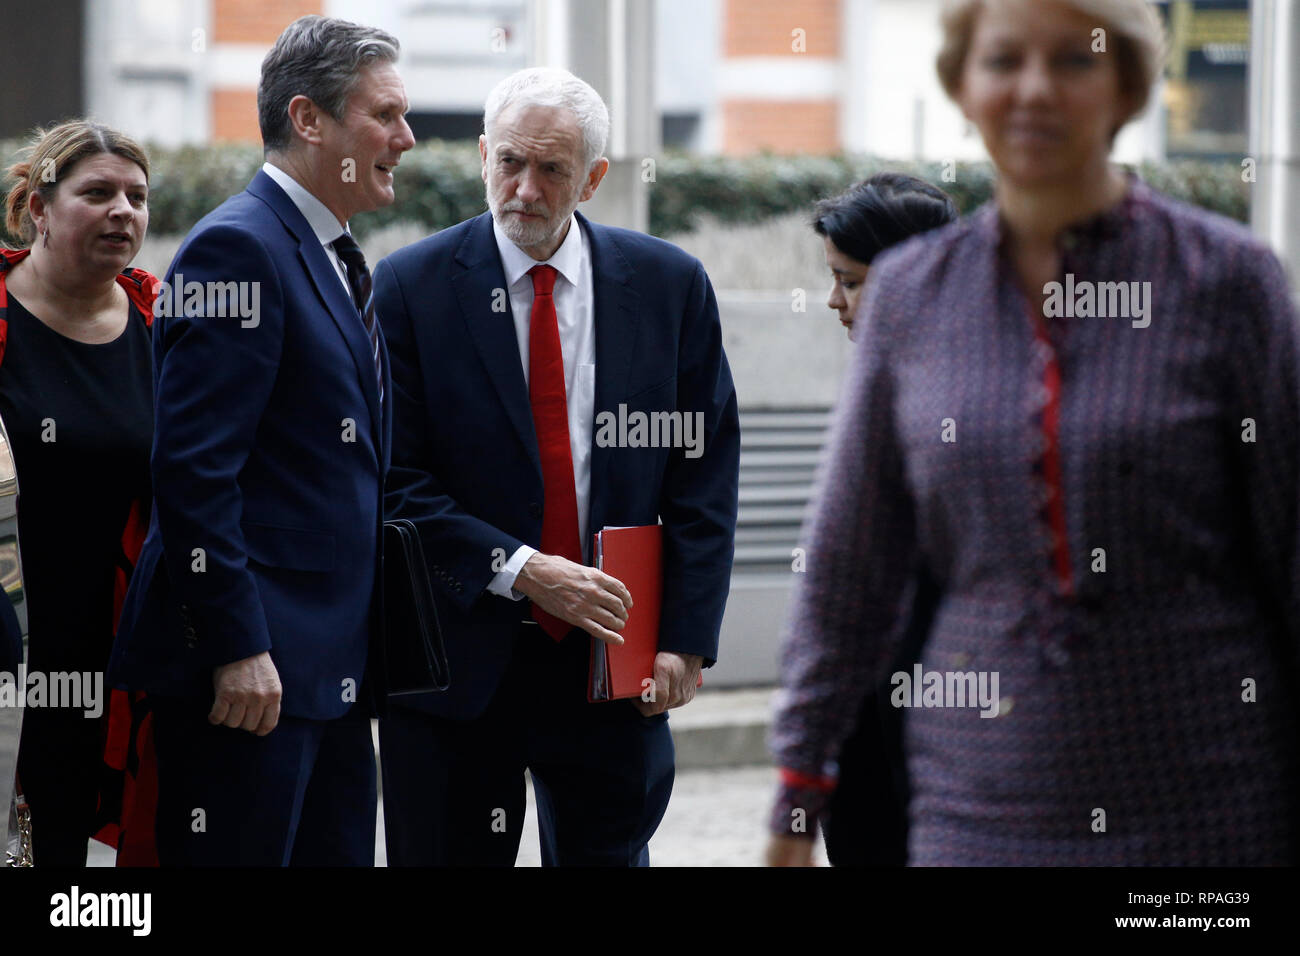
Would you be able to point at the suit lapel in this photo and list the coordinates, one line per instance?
(338, 301)
(480, 285)
(617, 312)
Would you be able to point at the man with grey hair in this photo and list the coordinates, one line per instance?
(252, 607)
(512, 335)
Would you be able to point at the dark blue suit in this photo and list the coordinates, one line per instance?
(268, 464)
(466, 470)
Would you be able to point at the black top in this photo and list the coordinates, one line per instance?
(80, 422)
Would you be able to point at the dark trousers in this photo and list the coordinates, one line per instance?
(454, 790)
(60, 765)
(866, 821)
(303, 795)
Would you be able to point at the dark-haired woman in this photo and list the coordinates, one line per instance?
(862, 807)
(76, 398)
(864, 221)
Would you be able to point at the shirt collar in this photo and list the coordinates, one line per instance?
(1107, 224)
(323, 222)
(566, 259)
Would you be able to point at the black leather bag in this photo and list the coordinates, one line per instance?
(414, 657)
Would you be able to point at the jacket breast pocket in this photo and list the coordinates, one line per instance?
(294, 549)
(662, 395)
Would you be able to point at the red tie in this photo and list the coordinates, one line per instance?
(551, 420)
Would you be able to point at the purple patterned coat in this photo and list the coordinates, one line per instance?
(1147, 711)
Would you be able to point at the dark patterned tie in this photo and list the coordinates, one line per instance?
(363, 296)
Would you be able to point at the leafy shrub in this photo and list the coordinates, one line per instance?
(439, 184)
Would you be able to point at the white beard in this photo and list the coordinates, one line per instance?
(523, 233)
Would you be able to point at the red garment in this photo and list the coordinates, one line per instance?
(546, 394)
(128, 800)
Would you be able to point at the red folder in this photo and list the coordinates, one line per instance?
(635, 557)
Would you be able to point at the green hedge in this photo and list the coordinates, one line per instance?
(755, 188)
(439, 184)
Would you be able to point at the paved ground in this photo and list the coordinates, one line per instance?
(716, 818)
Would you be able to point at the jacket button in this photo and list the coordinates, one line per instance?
(191, 637)
(534, 509)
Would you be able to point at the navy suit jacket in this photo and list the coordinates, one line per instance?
(466, 469)
(269, 454)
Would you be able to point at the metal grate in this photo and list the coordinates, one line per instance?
(779, 452)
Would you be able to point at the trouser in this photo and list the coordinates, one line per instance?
(303, 795)
(60, 766)
(602, 773)
(866, 820)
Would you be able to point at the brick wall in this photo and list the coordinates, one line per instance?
(234, 116)
(257, 21)
(775, 106)
(764, 27)
(782, 126)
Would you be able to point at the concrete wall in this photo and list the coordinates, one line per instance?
(781, 358)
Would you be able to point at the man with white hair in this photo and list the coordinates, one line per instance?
(511, 335)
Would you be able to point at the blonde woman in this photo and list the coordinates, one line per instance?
(76, 398)
(1078, 410)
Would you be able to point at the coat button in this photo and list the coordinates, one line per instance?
(534, 509)
(191, 637)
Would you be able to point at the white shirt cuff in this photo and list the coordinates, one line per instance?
(503, 583)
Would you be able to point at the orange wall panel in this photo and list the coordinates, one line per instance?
(234, 116)
(257, 21)
(781, 126)
(765, 27)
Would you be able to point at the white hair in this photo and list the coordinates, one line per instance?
(543, 86)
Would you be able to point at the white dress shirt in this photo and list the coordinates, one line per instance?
(575, 315)
(323, 222)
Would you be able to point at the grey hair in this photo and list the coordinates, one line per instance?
(543, 86)
(320, 58)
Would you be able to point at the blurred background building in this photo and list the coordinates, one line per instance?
(729, 76)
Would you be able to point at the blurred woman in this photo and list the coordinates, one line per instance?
(76, 397)
(865, 822)
(1077, 409)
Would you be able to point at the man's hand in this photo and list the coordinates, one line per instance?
(674, 683)
(785, 850)
(247, 695)
(582, 596)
